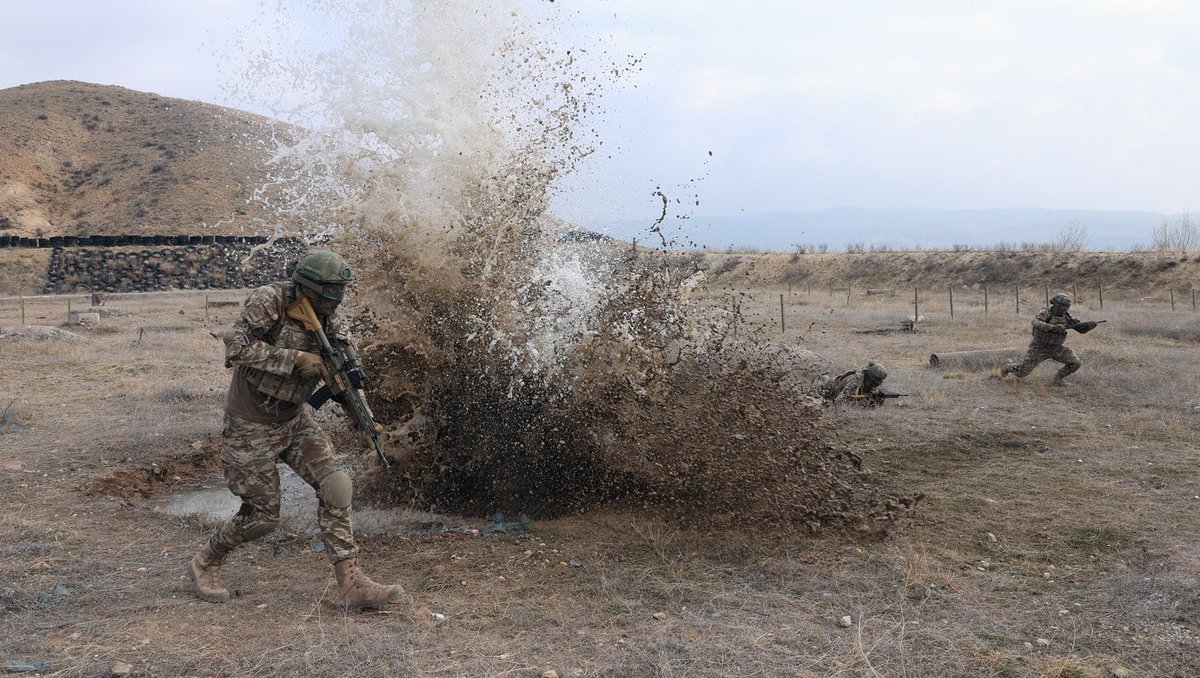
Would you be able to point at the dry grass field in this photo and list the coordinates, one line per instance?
(1059, 535)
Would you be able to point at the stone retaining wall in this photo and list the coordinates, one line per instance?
(76, 268)
(129, 240)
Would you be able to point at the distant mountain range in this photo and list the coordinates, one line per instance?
(899, 228)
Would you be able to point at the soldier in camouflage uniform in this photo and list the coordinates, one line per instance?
(859, 387)
(1050, 327)
(276, 367)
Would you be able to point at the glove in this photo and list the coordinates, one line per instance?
(308, 364)
(366, 437)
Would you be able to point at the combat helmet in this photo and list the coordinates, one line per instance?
(324, 272)
(1060, 299)
(876, 372)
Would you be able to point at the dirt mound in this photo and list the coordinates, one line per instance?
(137, 480)
(40, 333)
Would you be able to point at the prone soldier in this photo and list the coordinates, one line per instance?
(858, 386)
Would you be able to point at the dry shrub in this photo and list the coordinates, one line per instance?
(187, 389)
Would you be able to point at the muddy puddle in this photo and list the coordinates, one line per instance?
(211, 499)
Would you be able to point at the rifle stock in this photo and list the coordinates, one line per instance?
(339, 370)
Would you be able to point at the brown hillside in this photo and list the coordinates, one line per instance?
(78, 158)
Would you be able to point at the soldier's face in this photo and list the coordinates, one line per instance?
(1059, 309)
(322, 305)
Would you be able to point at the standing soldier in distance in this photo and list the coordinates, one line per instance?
(1050, 327)
(277, 367)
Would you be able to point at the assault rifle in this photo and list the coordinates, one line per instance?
(877, 397)
(1085, 326)
(342, 374)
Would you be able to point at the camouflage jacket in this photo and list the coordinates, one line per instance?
(1050, 330)
(264, 344)
(846, 388)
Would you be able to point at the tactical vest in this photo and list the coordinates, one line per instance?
(1044, 338)
(286, 333)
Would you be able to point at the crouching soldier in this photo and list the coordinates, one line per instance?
(1050, 327)
(276, 367)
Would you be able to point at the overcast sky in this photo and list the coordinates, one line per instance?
(1088, 104)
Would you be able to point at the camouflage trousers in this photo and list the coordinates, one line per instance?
(1038, 353)
(250, 452)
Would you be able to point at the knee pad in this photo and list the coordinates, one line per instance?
(336, 490)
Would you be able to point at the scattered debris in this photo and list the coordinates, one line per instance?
(846, 622)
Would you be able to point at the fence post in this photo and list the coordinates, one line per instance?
(1047, 296)
(1017, 299)
(1172, 300)
(1102, 297)
(782, 327)
(206, 307)
(916, 307)
(68, 311)
(1074, 293)
(951, 288)
(985, 300)
(22, 311)
(847, 294)
(1193, 298)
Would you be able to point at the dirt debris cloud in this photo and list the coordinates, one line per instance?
(529, 366)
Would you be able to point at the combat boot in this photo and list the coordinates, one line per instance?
(356, 591)
(204, 568)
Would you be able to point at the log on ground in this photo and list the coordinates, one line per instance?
(984, 359)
